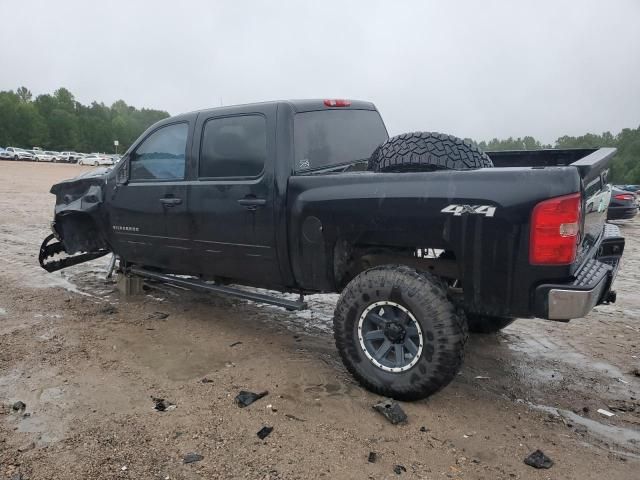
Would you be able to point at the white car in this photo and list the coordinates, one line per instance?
(95, 160)
(68, 157)
(47, 156)
(16, 153)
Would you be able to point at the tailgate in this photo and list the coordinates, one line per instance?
(593, 170)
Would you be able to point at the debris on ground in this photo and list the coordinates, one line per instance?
(235, 344)
(635, 372)
(245, 398)
(271, 407)
(162, 405)
(264, 432)
(538, 460)
(192, 457)
(108, 309)
(424, 429)
(293, 417)
(372, 457)
(27, 447)
(398, 469)
(157, 316)
(391, 411)
(19, 406)
(623, 406)
(206, 380)
(604, 412)
(480, 377)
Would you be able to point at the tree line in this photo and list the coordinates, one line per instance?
(59, 122)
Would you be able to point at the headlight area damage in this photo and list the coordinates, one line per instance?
(76, 231)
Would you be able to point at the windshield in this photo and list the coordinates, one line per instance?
(332, 137)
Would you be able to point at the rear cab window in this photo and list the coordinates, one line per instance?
(326, 138)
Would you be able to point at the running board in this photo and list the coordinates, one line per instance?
(224, 290)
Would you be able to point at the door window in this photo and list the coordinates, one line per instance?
(233, 147)
(161, 156)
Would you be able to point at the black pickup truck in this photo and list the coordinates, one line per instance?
(425, 236)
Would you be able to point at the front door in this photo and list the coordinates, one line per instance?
(231, 200)
(148, 213)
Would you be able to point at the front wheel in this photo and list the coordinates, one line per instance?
(398, 333)
(95, 164)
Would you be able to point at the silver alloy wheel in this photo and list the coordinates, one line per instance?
(387, 329)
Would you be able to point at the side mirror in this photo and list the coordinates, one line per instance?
(122, 175)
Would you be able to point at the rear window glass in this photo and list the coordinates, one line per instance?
(332, 137)
(233, 147)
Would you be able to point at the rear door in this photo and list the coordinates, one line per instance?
(148, 213)
(231, 201)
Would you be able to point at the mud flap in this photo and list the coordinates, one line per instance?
(50, 250)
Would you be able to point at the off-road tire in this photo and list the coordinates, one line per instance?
(443, 326)
(487, 324)
(426, 151)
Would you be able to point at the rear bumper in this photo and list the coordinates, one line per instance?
(590, 287)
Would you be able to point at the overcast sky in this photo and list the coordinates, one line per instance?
(476, 69)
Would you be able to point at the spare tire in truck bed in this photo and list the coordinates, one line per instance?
(426, 151)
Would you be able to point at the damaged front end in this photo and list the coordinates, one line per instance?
(77, 223)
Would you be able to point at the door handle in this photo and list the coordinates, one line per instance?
(170, 202)
(252, 203)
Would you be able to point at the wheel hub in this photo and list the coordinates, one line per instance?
(394, 332)
(390, 336)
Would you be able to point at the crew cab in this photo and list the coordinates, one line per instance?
(424, 235)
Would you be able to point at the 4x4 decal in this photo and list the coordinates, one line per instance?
(458, 210)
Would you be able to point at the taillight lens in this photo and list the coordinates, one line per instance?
(624, 196)
(337, 103)
(555, 227)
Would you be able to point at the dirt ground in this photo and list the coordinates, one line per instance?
(87, 361)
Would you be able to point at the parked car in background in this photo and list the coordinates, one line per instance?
(629, 188)
(16, 153)
(95, 160)
(623, 205)
(46, 156)
(68, 157)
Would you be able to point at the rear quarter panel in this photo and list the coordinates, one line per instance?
(405, 210)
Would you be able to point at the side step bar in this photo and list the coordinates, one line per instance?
(224, 290)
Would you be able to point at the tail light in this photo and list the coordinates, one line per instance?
(624, 196)
(337, 103)
(555, 230)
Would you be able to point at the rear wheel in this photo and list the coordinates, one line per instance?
(426, 151)
(486, 323)
(398, 333)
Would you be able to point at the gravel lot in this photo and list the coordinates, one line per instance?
(86, 363)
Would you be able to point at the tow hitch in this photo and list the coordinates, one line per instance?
(51, 250)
